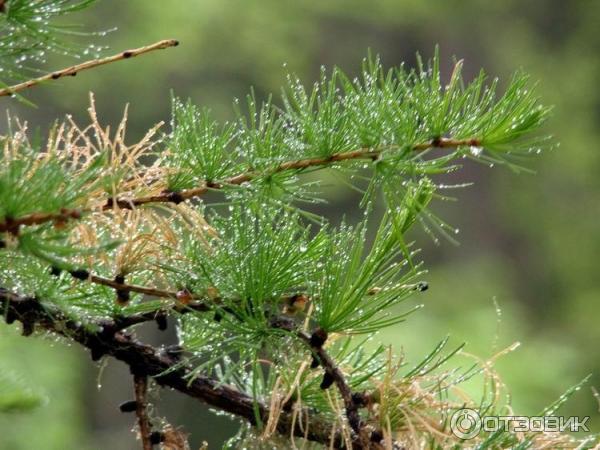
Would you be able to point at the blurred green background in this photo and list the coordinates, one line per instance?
(529, 244)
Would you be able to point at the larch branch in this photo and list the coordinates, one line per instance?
(74, 70)
(12, 225)
(364, 153)
(166, 370)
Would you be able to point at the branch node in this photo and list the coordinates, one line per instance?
(175, 197)
(97, 351)
(184, 296)
(80, 274)
(289, 405)
(173, 351)
(27, 328)
(156, 437)
(315, 362)
(436, 141)
(360, 399)
(10, 317)
(318, 338)
(161, 321)
(376, 436)
(327, 381)
(123, 295)
(11, 225)
(128, 407)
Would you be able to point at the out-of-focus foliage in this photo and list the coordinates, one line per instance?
(16, 395)
(53, 374)
(532, 242)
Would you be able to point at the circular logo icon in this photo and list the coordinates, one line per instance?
(465, 423)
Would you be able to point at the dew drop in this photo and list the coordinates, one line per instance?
(475, 150)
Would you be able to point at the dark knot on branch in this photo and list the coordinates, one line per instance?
(318, 338)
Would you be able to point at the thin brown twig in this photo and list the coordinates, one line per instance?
(193, 301)
(364, 153)
(340, 381)
(140, 383)
(153, 292)
(73, 70)
(12, 225)
(331, 369)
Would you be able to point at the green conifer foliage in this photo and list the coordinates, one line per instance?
(210, 224)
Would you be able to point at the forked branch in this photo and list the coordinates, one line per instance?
(166, 369)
